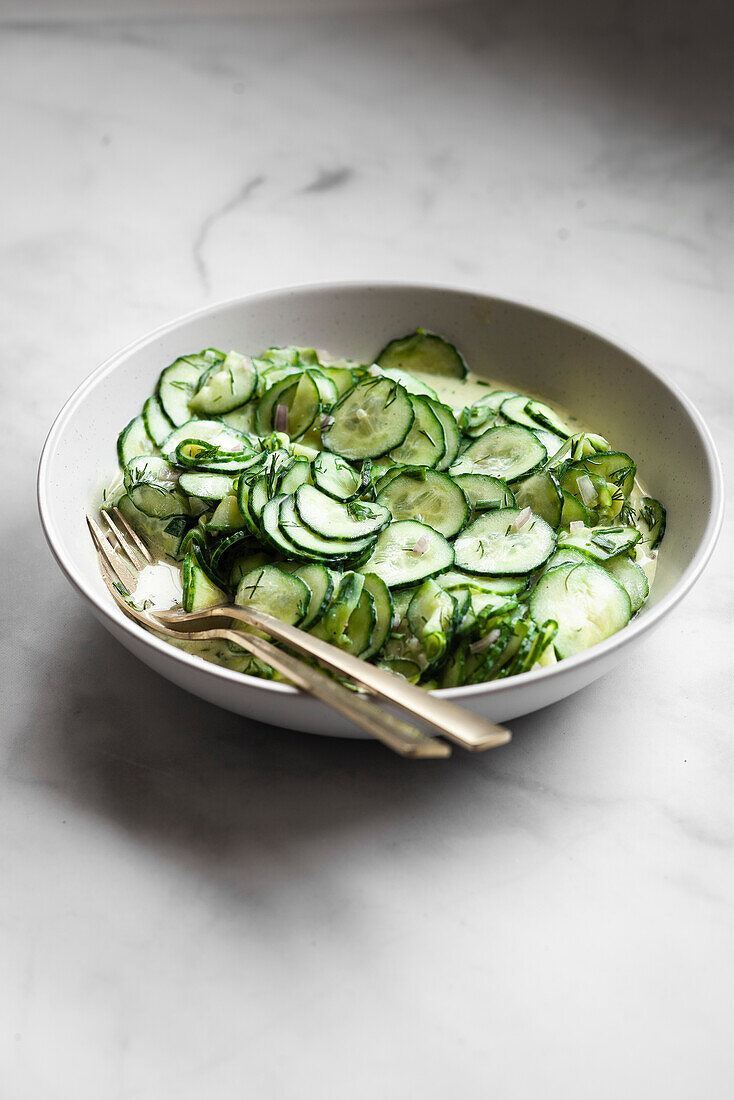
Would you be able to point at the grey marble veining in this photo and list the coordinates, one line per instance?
(194, 905)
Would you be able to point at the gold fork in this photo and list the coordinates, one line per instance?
(461, 726)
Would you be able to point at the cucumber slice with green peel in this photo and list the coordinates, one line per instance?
(383, 607)
(361, 626)
(228, 549)
(296, 473)
(424, 444)
(409, 382)
(485, 492)
(152, 486)
(308, 541)
(161, 535)
(451, 433)
(515, 409)
(548, 419)
(342, 377)
(509, 453)
(614, 467)
(651, 517)
(157, 424)
(134, 441)
(370, 420)
(552, 443)
(226, 386)
(333, 626)
(501, 543)
(200, 589)
(574, 510)
(334, 520)
(432, 615)
(227, 516)
(399, 666)
(208, 486)
(425, 353)
(631, 577)
(542, 494)
(320, 581)
(408, 552)
(427, 496)
(270, 590)
(504, 586)
(301, 400)
(568, 555)
(245, 563)
(274, 535)
(600, 543)
(588, 604)
(212, 437)
(177, 384)
(485, 413)
(334, 476)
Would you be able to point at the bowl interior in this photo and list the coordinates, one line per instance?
(606, 387)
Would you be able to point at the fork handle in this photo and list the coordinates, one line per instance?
(461, 726)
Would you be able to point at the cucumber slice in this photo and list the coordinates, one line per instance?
(228, 550)
(552, 443)
(225, 387)
(409, 552)
(409, 382)
(492, 544)
(361, 626)
(205, 485)
(371, 419)
(509, 453)
(134, 441)
(152, 487)
(157, 424)
(504, 586)
(631, 577)
(334, 624)
(548, 419)
(451, 433)
(652, 518)
(227, 516)
(574, 510)
(588, 604)
(356, 520)
(200, 589)
(383, 607)
(320, 581)
(306, 541)
(485, 492)
(274, 592)
(542, 494)
(485, 413)
(428, 496)
(515, 409)
(567, 556)
(615, 467)
(342, 377)
(432, 618)
(214, 439)
(600, 543)
(293, 475)
(177, 384)
(334, 476)
(424, 352)
(300, 399)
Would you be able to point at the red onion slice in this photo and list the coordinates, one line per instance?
(281, 418)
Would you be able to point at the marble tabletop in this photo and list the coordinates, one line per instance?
(193, 905)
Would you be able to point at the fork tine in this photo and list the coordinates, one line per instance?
(123, 546)
(132, 535)
(118, 567)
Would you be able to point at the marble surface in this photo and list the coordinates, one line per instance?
(194, 906)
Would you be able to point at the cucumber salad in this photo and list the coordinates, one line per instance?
(444, 528)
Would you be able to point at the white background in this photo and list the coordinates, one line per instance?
(191, 906)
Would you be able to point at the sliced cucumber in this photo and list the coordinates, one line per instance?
(320, 581)
(177, 384)
(425, 353)
(451, 433)
(383, 608)
(424, 444)
(515, 409)
(296, 473)
(205, 485)
(614, 467)
(334, 476)
(225, 387)
(152, 486)
(485, 413)
(548, 419)
(133, 441)
(370, 420)
(300, 400)
(334, 625)
(504, 586)
(432, 618)
(509, 453)
(334, 520)
(270, 590)
(631, 577)
(574, 510)
(600, 543)
(157, 424)
(200, 589)
(427, 496)
(307, 541)
(652, 518)
(494, 543)
(408, 552)
(485, 492)
(409, 382)
(542, 494)
(552, 443)
(227, 516)
(213, 438)
(163, 536)
(588, 604)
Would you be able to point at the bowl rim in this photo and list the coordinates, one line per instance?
(636, 629)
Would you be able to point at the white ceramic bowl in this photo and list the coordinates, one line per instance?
(533, 351)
